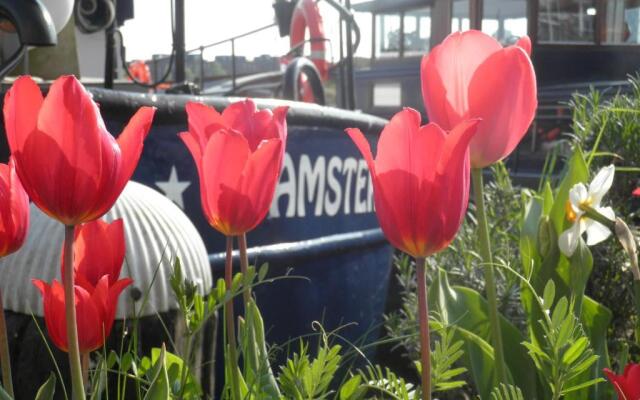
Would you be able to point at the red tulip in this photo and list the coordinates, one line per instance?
(636, 192)
(628, 384)
(14, 210)
(70, 166)
(98, 250)
(239, 155)
(95, 310)
(420, 181)
(470, 75)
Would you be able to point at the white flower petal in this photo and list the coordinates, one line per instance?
(607, 212)
(596, 232)
(578, 194)
(569, 239)
(601, 184)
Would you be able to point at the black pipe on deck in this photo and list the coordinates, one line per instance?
(179, 41)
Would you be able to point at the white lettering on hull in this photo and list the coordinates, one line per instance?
(321, 188)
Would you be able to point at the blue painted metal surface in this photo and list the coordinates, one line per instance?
(321, 226)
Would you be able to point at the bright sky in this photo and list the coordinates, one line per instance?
(209, 21)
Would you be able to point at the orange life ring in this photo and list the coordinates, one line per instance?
(307, 15)
(140, 71)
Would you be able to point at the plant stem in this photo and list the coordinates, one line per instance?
(244, 266)
(423, 317)
(84, 358)
(489, 275)
(5, 356)
(77, 384)
(230, 322)
(636, 298)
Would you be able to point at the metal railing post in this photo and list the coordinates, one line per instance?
(201, 67)
(233, 65)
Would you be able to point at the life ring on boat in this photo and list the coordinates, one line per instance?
(307, 15)
(302, 82)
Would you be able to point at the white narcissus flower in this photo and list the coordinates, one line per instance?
(581, 198)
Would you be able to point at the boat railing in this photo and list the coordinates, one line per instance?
(345, 14)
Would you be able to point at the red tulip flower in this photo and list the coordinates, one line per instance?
(95, 310)
(98, 250)
(420, 181)
(470, 75)
(14, 210)
(69, 164)
(239, 155)
(628, 384)
(636, 192)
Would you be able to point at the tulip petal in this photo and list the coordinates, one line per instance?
(130, 142)
(503, 94)
(385, 210)
(363, 145)
(397, 142)
(99, 250)
(524, 42)
(447, 73)
(71, 119)
(223, 161)
(203, 121)
(449, 196)
(22, 104)
(601, 184)
(258, 184)
(615, 380)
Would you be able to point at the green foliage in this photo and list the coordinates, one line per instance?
(608, 124)
(565, 352)
(159, 389)
(445, 354)
(506, 392)
(48, 389)
(378, 382)
(303, 379)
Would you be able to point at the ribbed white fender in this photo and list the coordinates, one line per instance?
(156, 231)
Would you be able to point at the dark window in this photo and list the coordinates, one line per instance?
(567, 21)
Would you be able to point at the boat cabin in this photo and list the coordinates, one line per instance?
(574, 41)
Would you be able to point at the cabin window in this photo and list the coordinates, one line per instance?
(460, 16)
(388, 34)
(622, 22)
(505, 20)
(567, 21)
(387, 94)
(417, 31)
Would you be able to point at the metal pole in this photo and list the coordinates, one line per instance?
(351, 104)
(109, 61)
(233, 65)
(201, 67)
(179, 41)
(343, 98)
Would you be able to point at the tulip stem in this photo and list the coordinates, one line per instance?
(489, 275)
(84, 358)
(77, 383)
(423, 317)
(5, 356)
(230, 321)
(244, 266)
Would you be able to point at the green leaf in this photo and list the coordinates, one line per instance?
(575, 350)
(4, 395)
(468, 311)
(48, 389)
(351, 390)
(549, 294)
(159, 388)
